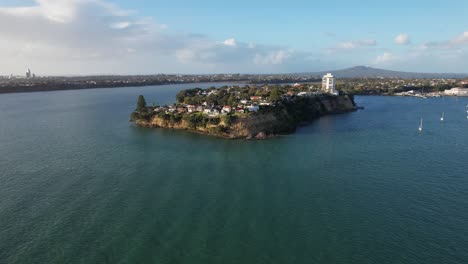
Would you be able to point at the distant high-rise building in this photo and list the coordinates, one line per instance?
(28, 73)
(328, 84)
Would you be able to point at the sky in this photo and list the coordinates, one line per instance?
(83, 37)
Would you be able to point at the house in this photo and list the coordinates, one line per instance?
(254, 108)
(255, 98)
(243, 101)
(191, 108)
(240, 110)
(212, 92)
(226, 109)
(181, 109)
(302, 94)
(265, 103)
(172, 109)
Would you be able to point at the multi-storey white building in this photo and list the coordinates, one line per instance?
(328, 84)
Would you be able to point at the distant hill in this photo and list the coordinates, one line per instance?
(363, 72)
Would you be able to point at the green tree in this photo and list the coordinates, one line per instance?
(231, 100)
(141, 104)
(275, 95)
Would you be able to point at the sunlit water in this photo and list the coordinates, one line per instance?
(79, 184)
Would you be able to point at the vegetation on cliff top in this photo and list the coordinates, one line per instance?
(220, 111)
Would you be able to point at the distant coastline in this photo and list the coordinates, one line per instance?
(356, 80)
(43, 84)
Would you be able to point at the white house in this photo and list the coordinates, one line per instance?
(226, 109)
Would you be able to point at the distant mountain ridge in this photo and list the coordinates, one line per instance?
(369, 72)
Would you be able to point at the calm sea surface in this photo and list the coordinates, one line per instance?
(79, 184)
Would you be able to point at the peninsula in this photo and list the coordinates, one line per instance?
(248, 112)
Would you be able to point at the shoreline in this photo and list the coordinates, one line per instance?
(264, 122)
(23, 90)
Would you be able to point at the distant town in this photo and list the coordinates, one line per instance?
(371, 82)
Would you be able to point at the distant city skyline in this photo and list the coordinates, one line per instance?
(87, 37)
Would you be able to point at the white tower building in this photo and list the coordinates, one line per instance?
(328, 84)
(28, 73)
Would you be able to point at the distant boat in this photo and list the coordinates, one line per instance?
(442, 118)
(421, 126)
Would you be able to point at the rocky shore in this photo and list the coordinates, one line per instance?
(284, 118)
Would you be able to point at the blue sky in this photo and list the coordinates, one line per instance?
(233, 36)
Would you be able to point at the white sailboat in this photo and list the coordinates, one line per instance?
(442, 117)
(421, 126)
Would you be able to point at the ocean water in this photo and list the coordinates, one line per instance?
(80, 184)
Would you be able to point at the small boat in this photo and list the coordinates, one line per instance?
(442, 118)
(420, 129)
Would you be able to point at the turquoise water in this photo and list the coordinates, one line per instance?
(79, 184)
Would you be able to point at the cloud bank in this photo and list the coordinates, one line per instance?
(98, 37)
(62, 37)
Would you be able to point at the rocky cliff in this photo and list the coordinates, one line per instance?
(281, 119)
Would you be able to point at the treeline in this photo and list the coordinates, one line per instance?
(230, 96)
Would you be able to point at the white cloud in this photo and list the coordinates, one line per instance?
(384, 58)
(230, 42)
(252, 45)
(457, 42)
(351, 45)
(120, 25)
(461, 39)
(273, 57)
(402, 39)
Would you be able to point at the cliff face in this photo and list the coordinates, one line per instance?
(282, 120)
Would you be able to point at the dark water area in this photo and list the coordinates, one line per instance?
(80, 184)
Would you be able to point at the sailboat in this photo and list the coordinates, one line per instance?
(421, 126)
(442, 118)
